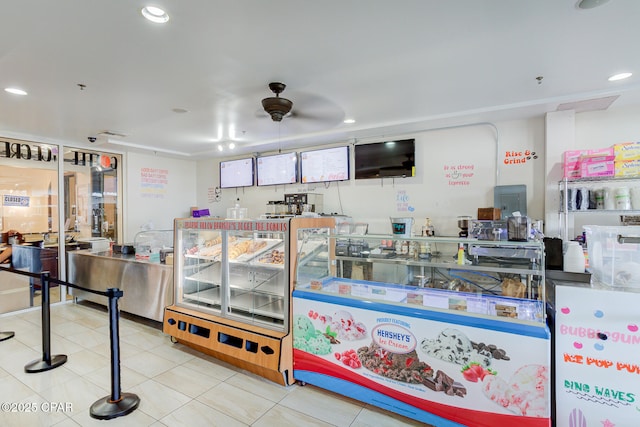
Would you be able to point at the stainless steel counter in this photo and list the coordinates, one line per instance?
(147, 286)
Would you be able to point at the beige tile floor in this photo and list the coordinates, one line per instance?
(177, 386)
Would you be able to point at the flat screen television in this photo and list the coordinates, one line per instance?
(324, 165)
(236, 173)
(388, 159)
(277, 169)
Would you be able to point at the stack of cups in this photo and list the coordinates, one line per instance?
(623, 199)
(609, 200)
(635, 198)
(600, 198)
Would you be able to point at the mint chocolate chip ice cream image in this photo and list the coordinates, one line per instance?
(452, 345)
(307, 338)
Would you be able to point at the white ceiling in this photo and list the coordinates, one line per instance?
(395, 66)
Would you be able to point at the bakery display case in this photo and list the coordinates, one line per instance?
(448, 331)
(233, 290)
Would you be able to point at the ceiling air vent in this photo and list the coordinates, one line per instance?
(109, 133)
(588, 104)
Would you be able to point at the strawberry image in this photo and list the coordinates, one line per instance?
(470, 374)
(349, 358)
(479, 370)
(475, 372)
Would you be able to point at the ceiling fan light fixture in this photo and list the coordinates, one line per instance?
(275, 106)
(620, 76)
(590, 4)
(155, 14)
(15, 91)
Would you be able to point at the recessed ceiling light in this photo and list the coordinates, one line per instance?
(220, 148)
(620, 76)
(232, 146)
(349, 121)
(15, 91)
(155, 14)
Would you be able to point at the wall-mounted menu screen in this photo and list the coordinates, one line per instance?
(236, 173)
(277, 169)
(329, 164)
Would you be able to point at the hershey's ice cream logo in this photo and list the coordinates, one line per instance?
(394, 338)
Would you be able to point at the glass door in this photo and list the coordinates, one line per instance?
(258, 280)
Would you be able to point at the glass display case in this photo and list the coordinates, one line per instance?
(444, 330)
(495, 278)
(233, 290)
(240, 273)
(153, 245)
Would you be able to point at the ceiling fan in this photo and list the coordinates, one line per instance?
(276, 106)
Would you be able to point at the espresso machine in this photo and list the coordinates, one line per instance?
(303, 202)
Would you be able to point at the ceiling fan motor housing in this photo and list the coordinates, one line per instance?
(275, 106)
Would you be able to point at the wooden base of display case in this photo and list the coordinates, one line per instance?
(258, 350)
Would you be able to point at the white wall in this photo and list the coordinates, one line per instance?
(157, 190)
(478, 151)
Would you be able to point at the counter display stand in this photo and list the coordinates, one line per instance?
(233, 290)
(426, 332)
(596, 339)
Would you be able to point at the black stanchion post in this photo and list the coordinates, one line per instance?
(47, 361)
(118, 403)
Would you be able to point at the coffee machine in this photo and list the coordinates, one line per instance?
(303, 202)
(463, 225)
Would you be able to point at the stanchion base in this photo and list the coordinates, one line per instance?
(41, 365)
(106, 409)
(6, 335)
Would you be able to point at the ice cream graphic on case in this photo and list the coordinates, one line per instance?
(524, 394)
(341, 325)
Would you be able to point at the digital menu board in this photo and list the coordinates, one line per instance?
(236, 173)
(329, 164)
(277, 169)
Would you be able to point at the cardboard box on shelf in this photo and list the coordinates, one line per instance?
(572, 170)
(596, 158)
(627, 151)
(573, 160)
(590, 169)
(573, 156)
(627, 169)
(489, 213)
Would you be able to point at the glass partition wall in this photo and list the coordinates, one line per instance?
(48, 206)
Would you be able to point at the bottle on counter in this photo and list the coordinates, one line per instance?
(460, 254)
(416, 249)
(428, 229)
(425, 249)
(573, 260)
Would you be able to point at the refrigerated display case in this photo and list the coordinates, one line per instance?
(448, 331)
(233, 290)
